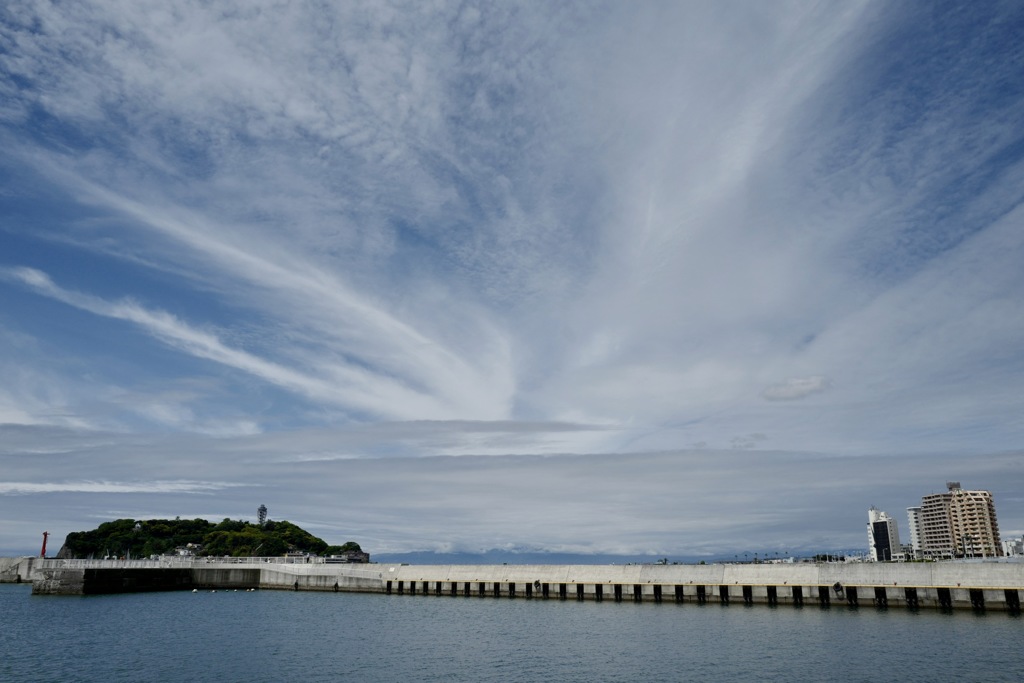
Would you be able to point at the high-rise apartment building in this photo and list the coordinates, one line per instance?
(958, 523)
(936, 528)
(914, 522)
(883, 537)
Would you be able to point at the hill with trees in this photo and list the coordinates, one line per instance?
(237, 538)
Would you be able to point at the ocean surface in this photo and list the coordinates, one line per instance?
(302, 636)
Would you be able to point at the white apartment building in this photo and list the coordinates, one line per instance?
(1013, 547)
(883, 537)
(914, 522)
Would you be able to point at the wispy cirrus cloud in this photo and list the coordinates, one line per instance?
(16, 488)
(605, 503)
(346, 385)
(364, 236)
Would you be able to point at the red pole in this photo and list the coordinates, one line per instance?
(42, 553)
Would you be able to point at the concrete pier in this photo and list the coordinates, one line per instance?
(19, 569)
(994, 586)
(94, 577)
(939, 585)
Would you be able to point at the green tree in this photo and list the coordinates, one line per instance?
(229, 537)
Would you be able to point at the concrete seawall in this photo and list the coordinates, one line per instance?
(996, 586)
(94, 577)
(947, 585)
(19, 569)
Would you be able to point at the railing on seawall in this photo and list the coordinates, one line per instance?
(176, 562)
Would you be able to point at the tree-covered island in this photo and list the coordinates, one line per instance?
(236, 538)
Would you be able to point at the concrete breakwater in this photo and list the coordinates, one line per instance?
(943, 585)
(94, 577)
(19, 569)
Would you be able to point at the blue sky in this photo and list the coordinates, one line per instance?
(611, 278)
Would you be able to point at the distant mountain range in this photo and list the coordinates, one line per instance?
(508, 557)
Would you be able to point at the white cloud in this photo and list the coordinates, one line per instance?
(190, 487)
(796, 388)
(475, 230)
(342, 384)
(672, 502)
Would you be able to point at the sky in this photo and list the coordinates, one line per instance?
(682, 279)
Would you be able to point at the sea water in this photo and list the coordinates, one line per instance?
(304, 636)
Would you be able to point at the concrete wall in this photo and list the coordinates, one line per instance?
(224, 577)
(322, 577)
(986, 575)
(947, 585)
(939, 585)
(132, 580)
(59, 582)
(18, 569)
